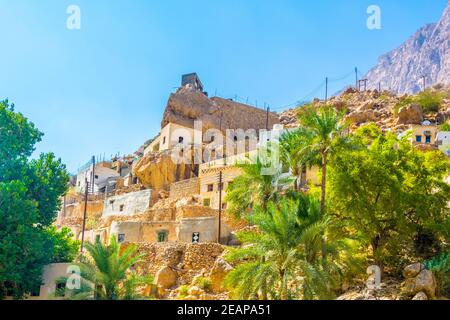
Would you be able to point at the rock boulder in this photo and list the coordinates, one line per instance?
(410, 115)
(166, 278)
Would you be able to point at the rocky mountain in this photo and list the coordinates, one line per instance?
(426, 53)
(381, 108)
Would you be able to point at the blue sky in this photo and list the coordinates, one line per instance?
(103, 89)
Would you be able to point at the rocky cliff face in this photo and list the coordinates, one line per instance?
(188, 104)
(426, 53)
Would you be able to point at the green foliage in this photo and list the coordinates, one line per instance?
(428, 100)
(322, 130)
(440, 265)
(445, 127)
(252, 189)
(404, 102)
(108, 270)
(183, 291)
(294, 152)
(65, 249)
(203, 283)
(387, 191)
(283, 260)
(29, 201)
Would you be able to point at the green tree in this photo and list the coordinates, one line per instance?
(323, 129)
(29, 200)
(65, 249)
(388, 192)
(293, 152)
(279, 260)
(106, 272)
(252, 188)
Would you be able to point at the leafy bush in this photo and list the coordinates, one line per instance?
(440, 265)
(430, 101)
(203, 283)
(183, 291)
(445, 127)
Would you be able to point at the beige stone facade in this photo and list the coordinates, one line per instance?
(424, 134)
(209, 184)
(171, 135)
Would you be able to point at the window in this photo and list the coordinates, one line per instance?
(96, 177)
(212, 139)
(210, 187)
(195, 237)
(121, 207)
(427, 139)
(36, 292)
(111, 202)
(121, 238)
(206, 202)
(79, 183)
(164, 140)
(163, 236)
(180, 140)
(60, 289)
(418, 138)
(235, 138)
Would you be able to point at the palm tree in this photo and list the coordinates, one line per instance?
(252, 189)
(106, 275)
(285, 246)
(292, 147)
(325, 129)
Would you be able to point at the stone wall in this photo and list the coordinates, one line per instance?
(188, 260)
(186, 212)
(184, 188)
(144, 232)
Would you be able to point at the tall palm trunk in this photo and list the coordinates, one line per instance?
(284, 289)
(324, 182)
(322, 200)
(264, 285)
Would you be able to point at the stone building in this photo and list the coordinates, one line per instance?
(172, 135)
(99, 177)
(424, 134)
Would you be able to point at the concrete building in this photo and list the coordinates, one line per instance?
(128, 204)
(102, 176)
(443, 141)
(172, 135)
(424, 134)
